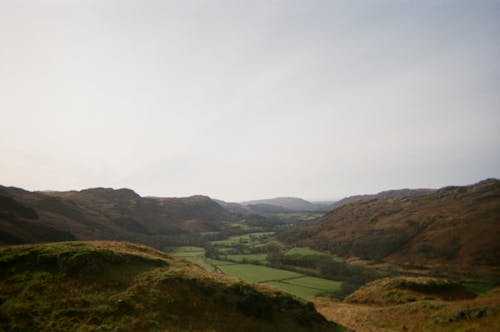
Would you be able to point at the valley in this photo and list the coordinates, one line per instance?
(350, 263)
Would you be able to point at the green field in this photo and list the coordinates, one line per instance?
(246, 239)
(261, 258)
(192, 254)
(316, 283)
(256, 273)
(294, 283)
(305, 286)
(185, 251)
(301, 251)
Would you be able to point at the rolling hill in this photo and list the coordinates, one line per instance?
(286, 203)
(450, 230)
(112, 286)
(104, 214)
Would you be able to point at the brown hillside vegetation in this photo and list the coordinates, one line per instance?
(415, 304)
(451, 230)
(397, 290)
(103, 214)
(110, 286)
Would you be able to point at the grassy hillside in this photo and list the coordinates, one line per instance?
(415, 304)
(397, 290)
(104, 214)
(110, 286)
(450, 230)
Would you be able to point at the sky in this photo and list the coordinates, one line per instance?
(242, 100)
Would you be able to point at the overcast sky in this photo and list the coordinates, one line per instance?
(249, 99)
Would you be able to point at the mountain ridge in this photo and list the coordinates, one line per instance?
(448, 230)
(104, 214)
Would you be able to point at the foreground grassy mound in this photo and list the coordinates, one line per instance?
(397, 290)
(415, 304)
(110, 286)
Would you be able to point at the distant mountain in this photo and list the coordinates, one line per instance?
(452, 229)
(104, 214)
(265, 209)
(236, 208)
(287, 203)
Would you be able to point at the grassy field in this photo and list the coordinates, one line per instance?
(316, 283)
(306, 287)
(193, 254)
(256, 272)
(294, 283)
(247, 238)
(261, 258)
(302, 251)
(185, 251)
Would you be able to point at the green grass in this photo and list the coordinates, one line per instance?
(185, 251)
(256, 272)
(192, 254)
(302, 251)
(200, 261)
(317, 283)
(248, 257)
(478, 287)
(220, 262)
(299, 291)
(306, 287)
(250, 238)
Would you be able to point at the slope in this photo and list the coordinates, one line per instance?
(450, 230)
(110, 286)
(104, 214)
(286, 203)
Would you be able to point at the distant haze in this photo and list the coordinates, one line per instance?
(249, 99)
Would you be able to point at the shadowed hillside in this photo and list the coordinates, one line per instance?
(104, 214)
(110, 286)
(450, 230)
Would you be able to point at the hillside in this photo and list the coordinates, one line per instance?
(110, 286)
(450, 230)
(398, 193)
(415, 304)
(104, 214)
(286, 203)
(274, 207)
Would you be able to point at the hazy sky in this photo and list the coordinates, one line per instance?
(249, 99)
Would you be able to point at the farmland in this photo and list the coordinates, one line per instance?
(192, 254)
(255, 266)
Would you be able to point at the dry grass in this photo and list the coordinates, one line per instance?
(479, 314)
